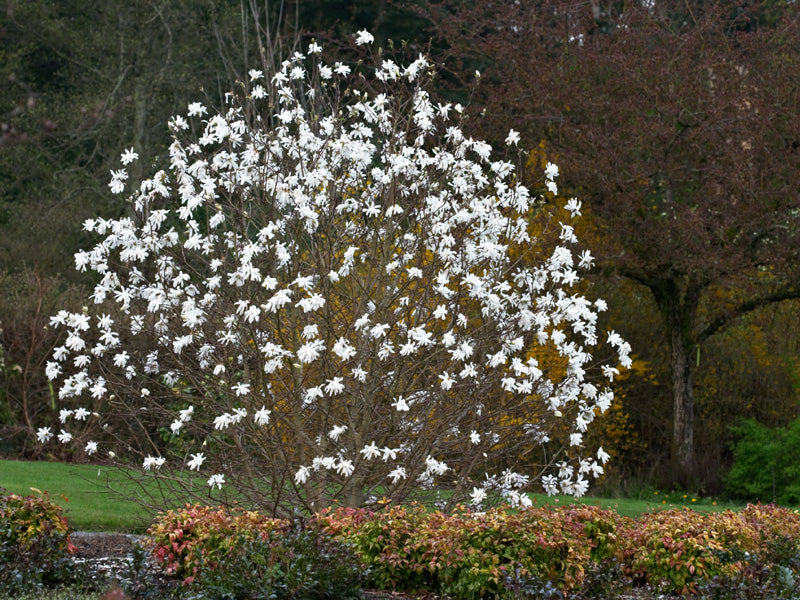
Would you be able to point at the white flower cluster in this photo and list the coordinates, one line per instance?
(363, 273)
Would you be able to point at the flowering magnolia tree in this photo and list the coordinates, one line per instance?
(332, 295)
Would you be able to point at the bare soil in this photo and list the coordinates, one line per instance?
(103, 545)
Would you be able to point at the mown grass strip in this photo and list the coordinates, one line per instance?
(91, 506)
(634, 507)
(82, 490)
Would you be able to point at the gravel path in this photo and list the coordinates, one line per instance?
(107, 556)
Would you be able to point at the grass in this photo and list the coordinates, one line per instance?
(83, 492)
(633, 507)
(89, 505)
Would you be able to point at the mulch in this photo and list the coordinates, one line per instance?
(103, 545)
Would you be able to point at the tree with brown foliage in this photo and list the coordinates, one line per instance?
(683, 128)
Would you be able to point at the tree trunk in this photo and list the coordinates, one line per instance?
(140, 95)
(678, 299)
(682, 406)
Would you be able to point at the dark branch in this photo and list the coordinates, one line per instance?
(786, 293)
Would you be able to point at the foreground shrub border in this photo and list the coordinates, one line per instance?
(574, 551)
(230, 553)
(468, 554)
(498, 553)
(35, 548)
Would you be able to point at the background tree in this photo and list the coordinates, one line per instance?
(682, 133)
(79, 78)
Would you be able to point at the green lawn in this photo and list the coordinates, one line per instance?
(633, 507)
(91, 506)
(83, 492)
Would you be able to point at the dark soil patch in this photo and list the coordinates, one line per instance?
(103, 545)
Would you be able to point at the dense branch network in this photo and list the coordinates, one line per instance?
(341, 305)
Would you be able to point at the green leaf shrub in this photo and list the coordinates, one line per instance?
(397, 544)
(765, 466)
(35, 549)
(228, 553)
(674, 549)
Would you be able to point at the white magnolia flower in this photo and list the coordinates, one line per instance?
(310, 352)
(216, 480)
(573, 205)
(310, 331)
(400, 405)
(334, 386)
(478, 496)
(397, 474)
(312, 394)
(153, 462)
(186, 414)
(446, 381)
(262, 416)
(241, 389)
(610, 372)
(129, 156)
(223, 421)
(301, 476)
(336, 432)
(196, 462)
(370, 451)
(53, 370)
(90, 448)
(345, 468)
(344, 349)
(312, 303)
(364, 37)
(197, 110)
(44, 434)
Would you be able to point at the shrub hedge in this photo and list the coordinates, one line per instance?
(541, 552)
(575, 551)
(230, 554)
(500, 552)
(35, 549)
